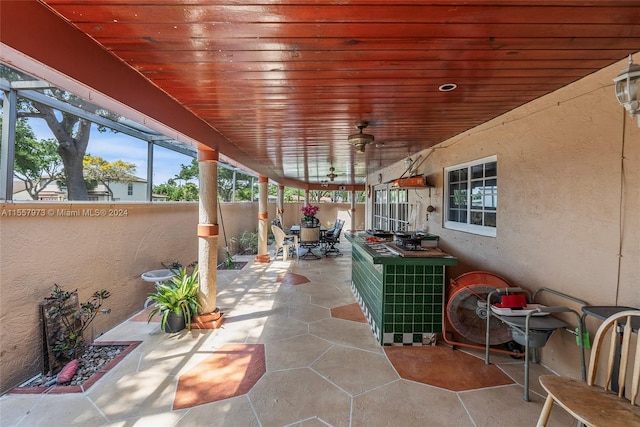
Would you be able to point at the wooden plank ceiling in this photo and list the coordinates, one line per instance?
(286, 82)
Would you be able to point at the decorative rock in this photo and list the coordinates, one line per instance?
(68, 371)
(91, 361)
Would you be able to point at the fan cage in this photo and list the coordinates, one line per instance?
(466, 307)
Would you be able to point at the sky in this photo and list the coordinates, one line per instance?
(118, 146)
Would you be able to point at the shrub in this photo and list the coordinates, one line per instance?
(249, 242)
(68, 339)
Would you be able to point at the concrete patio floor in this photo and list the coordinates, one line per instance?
(292, 351)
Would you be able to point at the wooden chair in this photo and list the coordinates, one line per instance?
(284, 242)
(599, 406)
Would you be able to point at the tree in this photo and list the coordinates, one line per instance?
(188, 172)
(293, 194)
(181, 192)
(243, 187)
(169, 189)
(98, 169)
(71, 132)
(37, 163)
(175, 192)
(316, 196)
(225, 184)
(190, 192)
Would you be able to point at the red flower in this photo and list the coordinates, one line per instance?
(309, 211)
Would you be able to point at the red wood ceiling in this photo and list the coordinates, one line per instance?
(285, 82)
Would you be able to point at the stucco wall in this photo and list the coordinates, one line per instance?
(568, 204)
(238, 217)
(80, 246)
(327, 214)
(232, 221)
(66, 245)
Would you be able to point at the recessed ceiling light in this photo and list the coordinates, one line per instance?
(447, 87)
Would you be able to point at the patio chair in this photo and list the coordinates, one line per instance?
(332, 229)
(600, 406)
(278, 223)
(331, 238)
(309, 239)
(284, 242)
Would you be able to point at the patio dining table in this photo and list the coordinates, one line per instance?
(295, 229)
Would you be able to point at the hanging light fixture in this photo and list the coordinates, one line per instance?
(331, 175)
(360, 140)
(628, 88)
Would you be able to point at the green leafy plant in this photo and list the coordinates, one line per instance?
(175, 266)
(179, 296)
(73, 321)
(249, 242)
(229, 258)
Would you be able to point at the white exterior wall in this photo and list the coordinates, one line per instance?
(121, 191)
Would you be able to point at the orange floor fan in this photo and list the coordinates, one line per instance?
(466, 312)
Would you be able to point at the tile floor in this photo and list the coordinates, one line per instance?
(294, 351)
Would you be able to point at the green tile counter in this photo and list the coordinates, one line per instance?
(401, 297)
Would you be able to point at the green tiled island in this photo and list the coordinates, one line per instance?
(401, 296)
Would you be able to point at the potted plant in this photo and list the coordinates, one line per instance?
(177, 301)
(309, 213)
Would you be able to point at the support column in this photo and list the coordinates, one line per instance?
(233, 191)
(150, 171)
(280, 210)
(353, 210)
(9, 118)
(306, 197)
(209, 316)
(263, 220)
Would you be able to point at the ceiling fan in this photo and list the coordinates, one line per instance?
(331, 175)
(360, 140)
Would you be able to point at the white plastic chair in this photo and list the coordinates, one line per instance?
(284, 242)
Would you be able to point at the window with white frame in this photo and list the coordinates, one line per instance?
(398, 209)
(130, 189)
(391, 209)
(471, 200)
(380, 209)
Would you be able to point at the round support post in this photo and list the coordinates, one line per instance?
(280, 211)
(208, 229)
(353, 211)
(263, 220)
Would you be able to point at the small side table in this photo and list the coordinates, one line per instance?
(157, 277)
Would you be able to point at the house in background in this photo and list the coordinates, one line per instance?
(133, 191)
